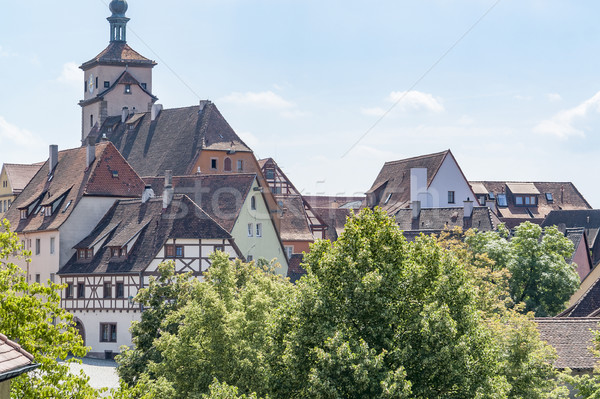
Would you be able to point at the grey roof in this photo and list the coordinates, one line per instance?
(149, 226)
(435, 220)
(173, 141)
(572, 338)
(589, 219)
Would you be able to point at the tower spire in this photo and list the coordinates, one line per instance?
(118, 21)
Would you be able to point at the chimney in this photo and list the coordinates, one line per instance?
(155, 111)
(416, 215)
(203, 103)
(124, 114)
(147, 194)
(90, 152)
(168, 178)
(167, 196)
(53, 159)
(491, 203)
(418, 183)
(468, 214)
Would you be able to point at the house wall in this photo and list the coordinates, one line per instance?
(5, 389)
(93, 309)
(450, 178)
(6, 193)
(299, 246)
(267, 246)
(83, 219)
(45, 263)
(580, 258)
(204, 162)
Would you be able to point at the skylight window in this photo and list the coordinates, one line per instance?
(491, 195)
(549, 197)
(67, 206)
(502, 200)
(389, 197)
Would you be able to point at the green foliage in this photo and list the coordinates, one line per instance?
(375, 317)
(30, 314)
(540, 277)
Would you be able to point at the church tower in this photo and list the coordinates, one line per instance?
(118, 81)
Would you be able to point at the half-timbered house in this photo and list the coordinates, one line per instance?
(124, 251)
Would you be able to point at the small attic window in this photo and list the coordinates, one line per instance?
(106, 84)
(127, 89)
(115, 174)
(144, 86)
(549, 197)
(389, 197)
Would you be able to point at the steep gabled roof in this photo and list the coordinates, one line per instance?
(147, 227)
(589, 219)
(587, 305)
(435, 220)
(19, 175)
(118, 53)
(109, 175)
(174, 140)
(14, 360)
(572, 339)
(294, 221)
(394, 178)
(220, 195)
(123, 79)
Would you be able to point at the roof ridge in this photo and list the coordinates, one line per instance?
(16, 346)
(417, 157)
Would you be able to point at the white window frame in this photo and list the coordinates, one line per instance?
(250, 229)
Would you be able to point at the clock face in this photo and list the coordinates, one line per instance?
(91, 84)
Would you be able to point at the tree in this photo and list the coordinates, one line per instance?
(540, 277)
(30, 314)
(196, 332)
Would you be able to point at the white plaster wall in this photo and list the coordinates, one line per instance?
(268, 246)
(112, 73)
(117, 99)
(91, 321)
(86, 215)
(450, 178)
(45, 263)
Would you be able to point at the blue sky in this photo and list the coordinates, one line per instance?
(518, 98)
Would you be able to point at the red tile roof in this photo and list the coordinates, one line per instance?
(109, 175)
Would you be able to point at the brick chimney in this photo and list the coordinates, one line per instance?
(168, 192)
(53, 158)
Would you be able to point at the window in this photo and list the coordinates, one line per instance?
(481, 199)
(502, 200)
(38, 278)
(250, 229)
(253, 203)
(259, 229)
(389, 197)
(96, 82)
(144, 86)
(69, 290)
(288, 251)
(91, 120)
(531, 200)
(81, 254)
(518, 200)
(174, 251)
(106, 84)
(108, 332)
(270, 174)
(213, 163)
(127, 89)
(38, 245)
(51, 277)
(52, 244)
(114, 252)
(240, 165)
(48, 211)
(451, 197)
(549, 197)
(67, 206)
(120, 290)
(107, 290)
(9, 202)
(89, 254)
(115, 174)
(23, 213)
(227, 165)
(491, 196)
(81, 290)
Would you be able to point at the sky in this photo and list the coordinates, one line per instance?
(333, 89)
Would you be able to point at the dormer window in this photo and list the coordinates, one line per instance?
(48, 210)
(23, 214)
(85, 253)
(525, 200)
(502, 200)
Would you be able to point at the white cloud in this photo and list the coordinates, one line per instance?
(264, 99)
(408, 101)
(71, 74)
(554, 97)
(562, 124)
(15, 134)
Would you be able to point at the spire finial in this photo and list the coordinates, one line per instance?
(118, 21)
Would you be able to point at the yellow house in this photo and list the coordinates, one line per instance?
(13, 179)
